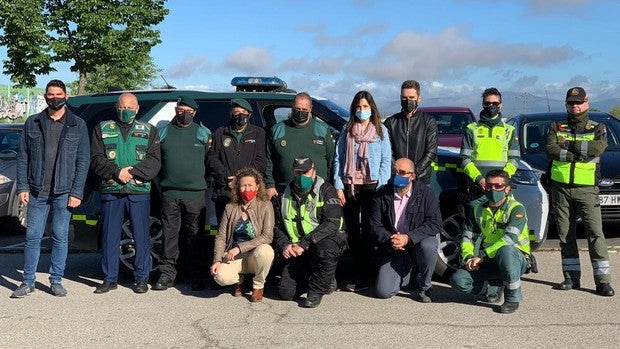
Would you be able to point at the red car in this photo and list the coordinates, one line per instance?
(451, 124)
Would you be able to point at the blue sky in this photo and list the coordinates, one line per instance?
(455, 48)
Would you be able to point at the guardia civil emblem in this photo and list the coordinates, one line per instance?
(283, 143)
(112, 154)
(227, 142)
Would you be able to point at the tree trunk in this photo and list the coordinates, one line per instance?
(82, 83)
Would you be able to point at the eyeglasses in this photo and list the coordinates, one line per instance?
(401, 172)
(575, 102)
(488, 104)
(495, 186)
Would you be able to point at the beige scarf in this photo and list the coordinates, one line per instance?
(361, 136)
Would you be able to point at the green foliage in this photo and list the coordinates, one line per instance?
(98, 36)
(615, 111)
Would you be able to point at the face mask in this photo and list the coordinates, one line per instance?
(400, 181)
(126, 115)
(55, 103)
(303, 182)
(185, 118)
(363, 114)
(240, 120)
(248, 195)
(489, 112)
(408, 105)
(494, 195)
(300, 117)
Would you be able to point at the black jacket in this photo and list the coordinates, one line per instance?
(422, 214)
(330, 216)
(227, 156)
(414, 138)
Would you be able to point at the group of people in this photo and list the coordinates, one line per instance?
(297, 198)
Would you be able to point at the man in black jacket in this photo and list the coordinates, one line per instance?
(413, 134)
(405, 220)
(234, 147)
(308, 234)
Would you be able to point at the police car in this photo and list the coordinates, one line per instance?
(271, 102)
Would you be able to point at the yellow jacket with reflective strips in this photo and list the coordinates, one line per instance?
(485, 148)
(575, 172)
(507, 226)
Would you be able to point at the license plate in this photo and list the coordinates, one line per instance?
(608, 200)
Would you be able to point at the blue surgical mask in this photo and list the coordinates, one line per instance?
(363, 114)
(494, 195)
(400, 181)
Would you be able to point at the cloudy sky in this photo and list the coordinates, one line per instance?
(455, 48)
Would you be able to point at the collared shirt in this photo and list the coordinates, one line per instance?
(52, 130)
(400, 206)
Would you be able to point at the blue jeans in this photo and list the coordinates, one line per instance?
(38, 209)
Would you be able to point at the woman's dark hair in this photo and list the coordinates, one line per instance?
(375, 117)
(258, 177)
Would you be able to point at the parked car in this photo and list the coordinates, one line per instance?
(12, 212)
(451, 123)
(451, 185)
(532, 130)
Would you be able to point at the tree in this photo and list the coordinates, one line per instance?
(98, 36)
(615, 111)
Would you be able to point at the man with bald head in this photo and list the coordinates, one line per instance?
(405, 220)
(125, 155)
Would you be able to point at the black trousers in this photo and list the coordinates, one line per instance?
(181, 219)
(314, 270)
(357, 212)
(220, 198)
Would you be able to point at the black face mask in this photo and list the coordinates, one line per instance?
(408, 105)
(300, 117)
(185, 118)
(489, 112)
(240, 120)
(55, 103)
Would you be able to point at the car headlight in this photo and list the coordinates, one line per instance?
(525, 177)
(5, 179)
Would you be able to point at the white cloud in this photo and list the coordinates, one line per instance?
(250, 59)
(188, 66)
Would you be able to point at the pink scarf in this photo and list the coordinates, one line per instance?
(361, 136)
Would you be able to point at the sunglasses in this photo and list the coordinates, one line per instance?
(575, 103)
(488, 104)
(495, 186)
(401, 172)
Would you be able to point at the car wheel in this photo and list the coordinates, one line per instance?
(449, 249)
(128, 247)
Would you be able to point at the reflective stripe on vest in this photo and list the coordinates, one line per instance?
(577, 172)
(491, 146)
(492, 227)
(125, 153)
(307, 212)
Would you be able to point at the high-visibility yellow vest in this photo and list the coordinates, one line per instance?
(307, 213)
(577, 172)
(494, 232)
(490, 148)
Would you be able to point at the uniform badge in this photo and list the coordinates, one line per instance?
(317, 141)
(139, 127)
(112, 154)
(227, 142)
(112, 126)
(283, 143)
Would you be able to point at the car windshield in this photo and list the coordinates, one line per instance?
(451, 123)
(9, 143)
(534, 133)
(340, 111)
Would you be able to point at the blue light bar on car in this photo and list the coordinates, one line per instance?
(247, 83)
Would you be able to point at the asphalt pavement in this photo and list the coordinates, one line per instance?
(178, 317)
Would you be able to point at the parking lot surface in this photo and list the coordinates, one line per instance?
(179, 318)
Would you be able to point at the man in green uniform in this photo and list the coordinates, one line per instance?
(300, 135)
(575, 147)
(184, 145)
(501, 224)
(489, 143)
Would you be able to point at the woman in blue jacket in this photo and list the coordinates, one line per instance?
(362, 164)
